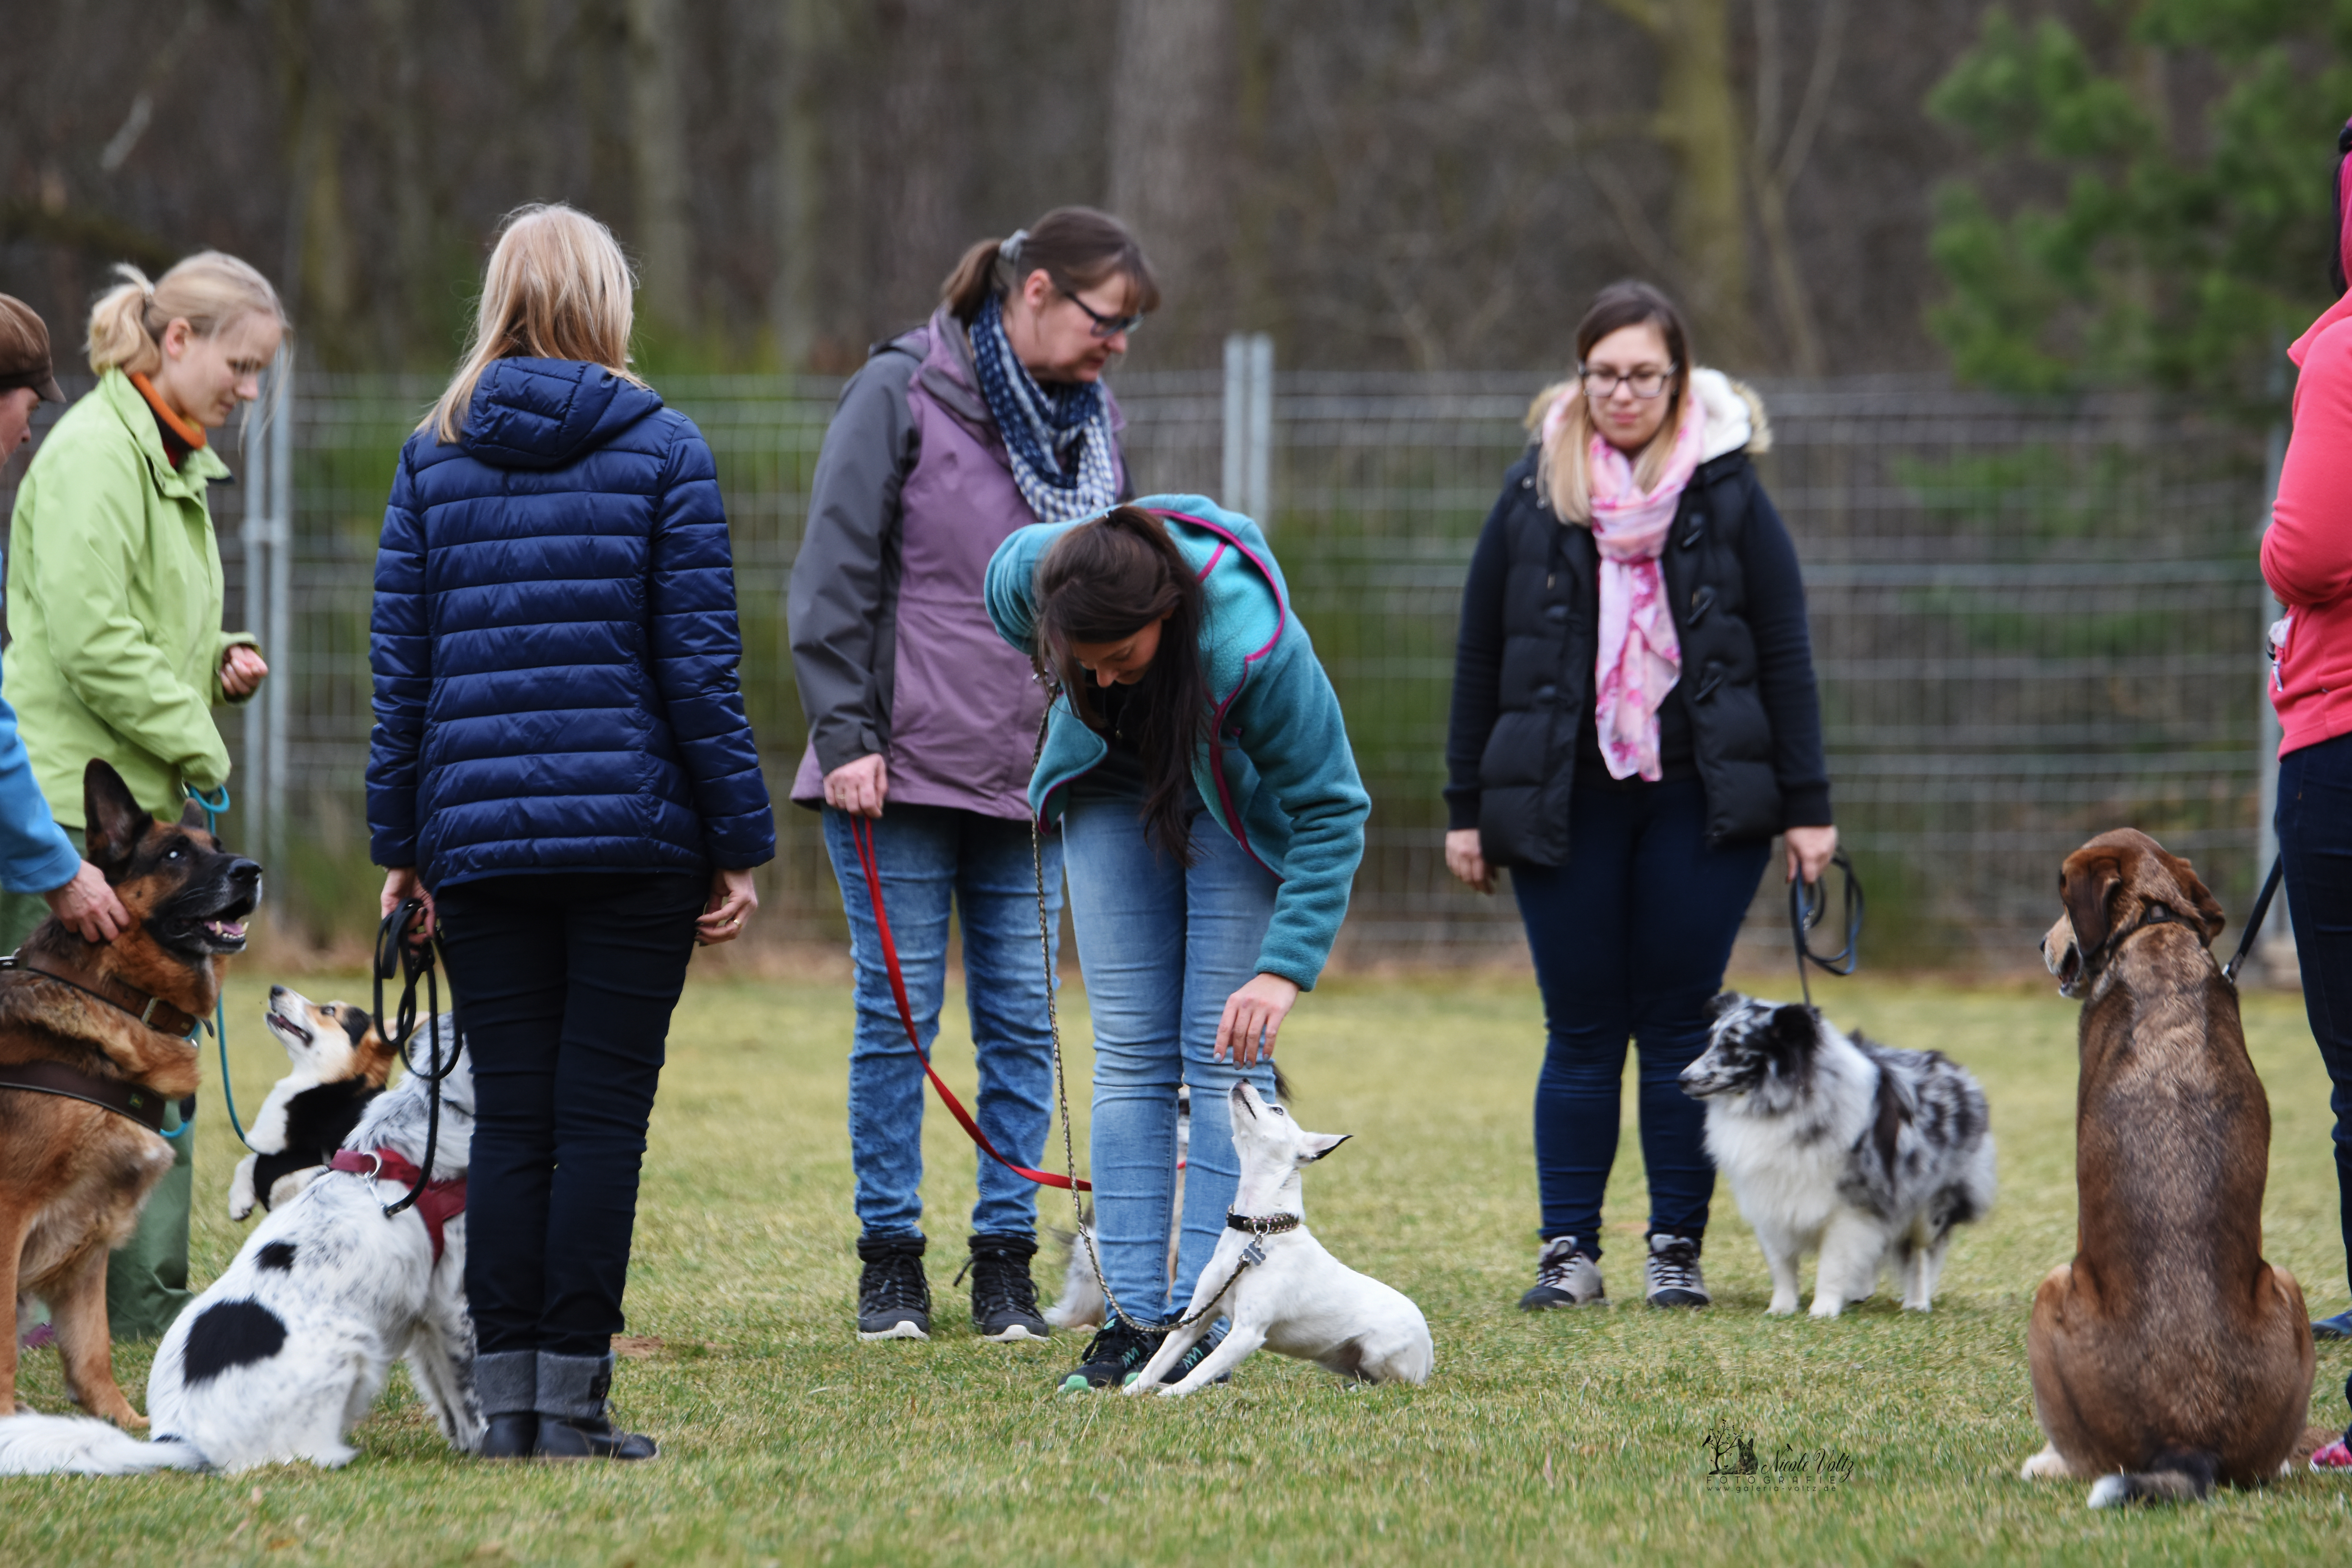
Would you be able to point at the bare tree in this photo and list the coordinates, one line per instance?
(664, 177)
(804, 44)
(1171, 167)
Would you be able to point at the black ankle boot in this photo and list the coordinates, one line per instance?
(591, 1437)
(512, 1435)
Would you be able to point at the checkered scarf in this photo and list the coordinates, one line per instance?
(1059, 439)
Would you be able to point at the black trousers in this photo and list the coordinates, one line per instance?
(565, 983)
(2315, 831)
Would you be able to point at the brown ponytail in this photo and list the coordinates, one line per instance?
(1078, 247)
(1103, 581)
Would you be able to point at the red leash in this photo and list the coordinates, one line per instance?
(861, 832)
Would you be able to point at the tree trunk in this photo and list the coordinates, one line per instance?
(662, 177)
(1174, 96)
(799, 179)
(416, 334)
(1698, 124)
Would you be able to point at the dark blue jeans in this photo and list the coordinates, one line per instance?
(564, 983)
(2315, 833)
(1629, 939)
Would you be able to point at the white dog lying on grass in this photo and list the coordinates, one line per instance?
(1279, 1288)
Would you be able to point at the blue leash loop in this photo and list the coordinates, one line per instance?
(213, 809)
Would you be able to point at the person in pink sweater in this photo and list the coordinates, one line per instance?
(2307, 561)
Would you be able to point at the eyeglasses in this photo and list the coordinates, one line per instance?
(1644, 383)
(1104, 326)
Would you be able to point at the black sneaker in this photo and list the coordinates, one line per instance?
(1192, 1358)
(1003, 1297)
(591, 1437)
(894, 1298)
(1113, 1356)
(1566, 1276)
(2338, 1327)
(1674, 1276)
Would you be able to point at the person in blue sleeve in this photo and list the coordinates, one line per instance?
(1211, 822)
(561, 770)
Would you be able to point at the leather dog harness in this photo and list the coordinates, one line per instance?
(438, 1202)
(124, 1098)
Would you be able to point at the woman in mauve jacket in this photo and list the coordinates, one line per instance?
(562, 770)
(1634, 718)
(991, 417)
(2307, 561)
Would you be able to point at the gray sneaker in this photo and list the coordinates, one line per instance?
(1672, 1274)
(1565, 1276)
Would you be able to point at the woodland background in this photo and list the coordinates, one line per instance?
(2036, 193)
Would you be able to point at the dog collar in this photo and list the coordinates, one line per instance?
(2154, 915)
(440, 1203)
(150, 1010)
(1263, 1224)
(135, 1101)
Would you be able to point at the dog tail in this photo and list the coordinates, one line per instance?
(83, 1445)
(2176, 1475)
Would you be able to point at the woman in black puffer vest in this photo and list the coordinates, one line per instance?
(1634, 718)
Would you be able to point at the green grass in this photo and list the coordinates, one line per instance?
(1569, 1438)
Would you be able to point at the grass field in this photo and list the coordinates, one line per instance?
(1573, 1436)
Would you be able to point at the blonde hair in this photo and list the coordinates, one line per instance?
(557, 287)
(210, 290)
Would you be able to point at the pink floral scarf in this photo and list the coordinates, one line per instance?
(1640, 657)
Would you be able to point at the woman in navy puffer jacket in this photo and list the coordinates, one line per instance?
(561, 768)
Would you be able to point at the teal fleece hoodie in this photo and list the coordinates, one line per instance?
(1276, 773)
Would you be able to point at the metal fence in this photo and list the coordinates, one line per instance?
(2031, 621)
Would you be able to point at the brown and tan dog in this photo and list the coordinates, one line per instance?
(104, 1030)
(2169, 1354)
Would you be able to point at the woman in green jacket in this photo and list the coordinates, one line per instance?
(114, 611)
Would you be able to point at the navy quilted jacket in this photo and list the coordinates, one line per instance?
(555, 643)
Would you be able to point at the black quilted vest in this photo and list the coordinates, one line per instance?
(1550, 600)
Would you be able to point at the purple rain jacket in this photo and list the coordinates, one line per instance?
(892, 646)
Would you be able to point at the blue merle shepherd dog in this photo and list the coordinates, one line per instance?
(1837, 1144)
(288, 1349)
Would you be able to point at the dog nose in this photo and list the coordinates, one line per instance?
(244, 872)
(276, 992)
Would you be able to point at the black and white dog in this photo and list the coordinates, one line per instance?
(337, 1062)
(290, 1346)
(1835, 1143)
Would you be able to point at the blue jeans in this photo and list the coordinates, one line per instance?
(1163, 946)
(931, 855)
(2314, 834)
(1630, 938)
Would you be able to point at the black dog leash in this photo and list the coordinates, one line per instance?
(413, 961)
(2254, 922)
(1807, 902)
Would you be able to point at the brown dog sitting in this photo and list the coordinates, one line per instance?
(94, 1039)
(2167, 1356)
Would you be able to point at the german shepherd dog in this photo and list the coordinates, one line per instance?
(120, 1017)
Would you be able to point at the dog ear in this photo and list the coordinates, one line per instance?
(2209, 915)
(356, 1022)
(192, 815)
(114, 818)
(1721, 1003)
(1795, 1027)
(2088, 885)
(1321, 1144)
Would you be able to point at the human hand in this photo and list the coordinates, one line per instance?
(1253, 1015)
(732, 902)
(400, 884)
(87, 905)
(1465, 857)
(242, 671)
(858, 787)
(1810, 849)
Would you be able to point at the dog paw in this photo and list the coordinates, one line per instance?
(238, 1209)
(1782, 1308)
(1828, 1308)
(2045, 1466)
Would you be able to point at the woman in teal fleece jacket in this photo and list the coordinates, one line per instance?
(1212, 820)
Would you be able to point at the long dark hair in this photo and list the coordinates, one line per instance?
(2339, 241)
(1102, 582)
(1078, 247)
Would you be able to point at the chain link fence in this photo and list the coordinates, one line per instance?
(2031, 623)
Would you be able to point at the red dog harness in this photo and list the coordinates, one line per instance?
(439, 1202)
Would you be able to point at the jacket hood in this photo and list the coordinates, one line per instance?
(1736, 420)
(544, 413)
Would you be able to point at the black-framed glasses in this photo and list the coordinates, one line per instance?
(1643, 383)
(1104, 326)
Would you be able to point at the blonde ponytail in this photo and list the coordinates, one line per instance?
(210, 290)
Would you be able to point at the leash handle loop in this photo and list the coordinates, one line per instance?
(1807, 903)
